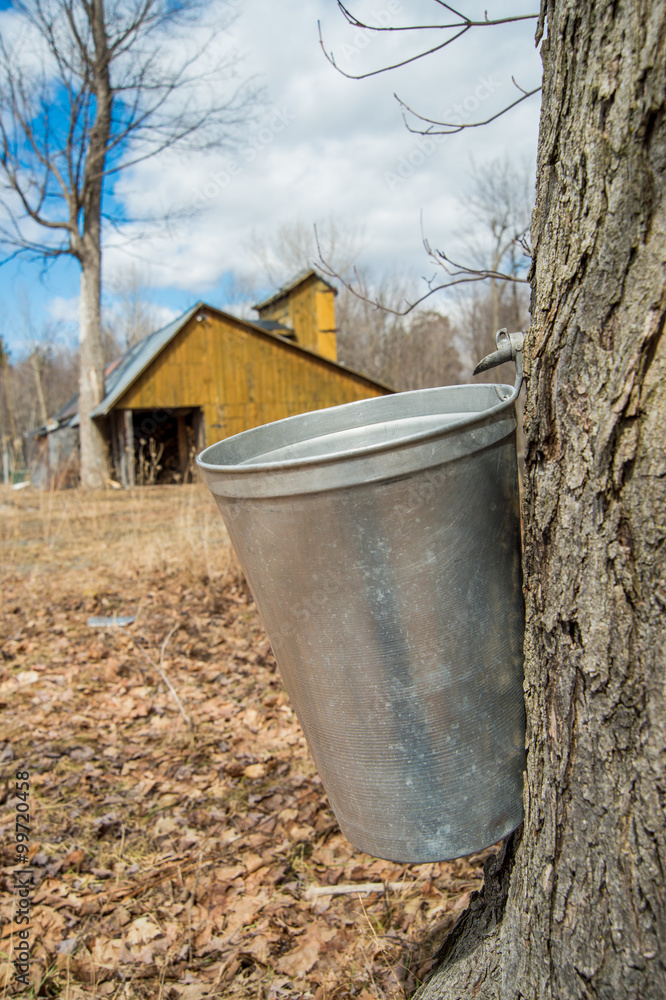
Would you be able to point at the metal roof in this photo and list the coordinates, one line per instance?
(136, 360)
(274, 327)
(298, 280)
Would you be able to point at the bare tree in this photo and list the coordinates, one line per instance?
(478, 321)
(499, 204)
(89, 88)
(427, 353)
(293, 247)
(368, 336)
(40, 345)
(35, 384)
(131, 317)
(405, 352)
(11, 438)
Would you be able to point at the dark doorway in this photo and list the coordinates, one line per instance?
(166, 442)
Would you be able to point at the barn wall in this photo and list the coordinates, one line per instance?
(327, 341)
(309, 309)
(240, 378)
(53, 458)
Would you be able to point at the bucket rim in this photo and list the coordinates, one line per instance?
(475, 417)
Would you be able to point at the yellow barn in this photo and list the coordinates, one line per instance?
(209, 374)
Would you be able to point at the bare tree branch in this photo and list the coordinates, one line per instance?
(450, 128)
(461, 26)
(461, 275)
(457, 274)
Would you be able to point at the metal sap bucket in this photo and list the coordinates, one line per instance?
(381, 541)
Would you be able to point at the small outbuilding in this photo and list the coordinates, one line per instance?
(206, 376)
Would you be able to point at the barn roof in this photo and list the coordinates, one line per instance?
(136, 360)
(298, 280)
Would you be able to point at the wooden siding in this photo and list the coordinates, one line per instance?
(240, 378)
(327, 343)
(309, 309)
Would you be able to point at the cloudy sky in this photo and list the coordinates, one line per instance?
(322, 146)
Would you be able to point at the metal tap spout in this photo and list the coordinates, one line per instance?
(509, 348)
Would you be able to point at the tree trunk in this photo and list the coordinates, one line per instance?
(577, 909)
(37, 369)
(94, 452)
(9, 399)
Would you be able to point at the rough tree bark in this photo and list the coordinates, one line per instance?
(93, 448)
(87, 246)
(577, 908)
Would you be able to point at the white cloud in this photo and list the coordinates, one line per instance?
(330, 146)
(163, 315)
(64, 310)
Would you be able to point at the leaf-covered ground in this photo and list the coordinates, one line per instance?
(181, 840)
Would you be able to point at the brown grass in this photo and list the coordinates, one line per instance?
(90, 534)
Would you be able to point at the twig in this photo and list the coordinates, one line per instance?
(190, 905)
(461, 27)
(451, 128)
(472, 273)
(462, 276)
(347, 890)
(160, 671)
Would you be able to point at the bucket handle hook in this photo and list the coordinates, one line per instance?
(509, 348)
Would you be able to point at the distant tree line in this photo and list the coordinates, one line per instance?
(33, 387)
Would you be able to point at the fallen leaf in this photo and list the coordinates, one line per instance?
(192, 991)
(141, 931)
(106, 953)
(164, 826)
(227, 873)
(242, 912)
(26, 677)
(74, 858)
(255, 771)
(304, 956)
(259, 948)
(253, 862)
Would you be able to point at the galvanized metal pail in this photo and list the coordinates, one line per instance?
(381, 541)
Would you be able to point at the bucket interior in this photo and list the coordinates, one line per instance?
(341, 442)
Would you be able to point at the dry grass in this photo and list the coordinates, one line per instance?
(84, 537)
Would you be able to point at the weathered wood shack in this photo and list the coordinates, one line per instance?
(208, 375)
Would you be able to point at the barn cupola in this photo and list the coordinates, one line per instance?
(306, 308)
